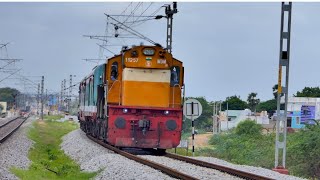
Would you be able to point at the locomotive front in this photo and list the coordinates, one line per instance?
(144, 98)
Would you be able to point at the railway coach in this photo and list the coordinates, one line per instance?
(134, 99)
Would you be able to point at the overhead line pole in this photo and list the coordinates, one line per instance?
(170, 12)
(284, 59)
(42, 94)
(38, 99)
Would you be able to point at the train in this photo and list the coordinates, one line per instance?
(134, 99)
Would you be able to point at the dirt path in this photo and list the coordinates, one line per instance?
(200, 140)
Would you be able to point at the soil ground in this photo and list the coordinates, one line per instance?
(200, 140)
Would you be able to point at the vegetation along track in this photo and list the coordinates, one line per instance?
(8, 128)
(176, 174)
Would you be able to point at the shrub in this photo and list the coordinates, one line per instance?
(249, 128)
(304, 152)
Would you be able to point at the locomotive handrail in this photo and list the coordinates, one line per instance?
(119, 89)
(173, 93)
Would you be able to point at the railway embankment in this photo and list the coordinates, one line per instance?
(93, 157)
(46, 159)
(14, 151)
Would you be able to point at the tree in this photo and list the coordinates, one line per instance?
(203, 122)
(253, 101)
(309, 92)
(6, 94)
(270, 106)
(234, 103)
(275, 91)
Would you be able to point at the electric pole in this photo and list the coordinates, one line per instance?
(38, 98)
(42, 88)
(70, 93)
(64, 92)
(170, 12)
(61, 96)
(281, 119)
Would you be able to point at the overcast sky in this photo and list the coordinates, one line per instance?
(227, 48)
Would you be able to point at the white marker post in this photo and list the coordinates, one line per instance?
(192, 124)
(192, 109)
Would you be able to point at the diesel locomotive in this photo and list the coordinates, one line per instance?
(134, 99)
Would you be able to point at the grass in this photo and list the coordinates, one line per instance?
(248, 146)
(48, 160)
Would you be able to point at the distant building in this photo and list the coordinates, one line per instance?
(4, 105)
(237, 116)
(302, 110)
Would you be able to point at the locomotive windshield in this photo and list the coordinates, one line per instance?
(175, 72)
(114, 71)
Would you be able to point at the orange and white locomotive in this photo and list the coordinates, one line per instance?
(135, 99)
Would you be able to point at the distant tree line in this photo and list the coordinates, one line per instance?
(7, 94)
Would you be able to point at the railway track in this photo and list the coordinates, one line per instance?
(235, 172)
(8, 128)
(164, 169)
(176, 174)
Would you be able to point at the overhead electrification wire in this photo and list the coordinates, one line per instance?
(151, 15)
(106, 49)
(144, 11)
(132, 31)
(132, 12)
(10, 75)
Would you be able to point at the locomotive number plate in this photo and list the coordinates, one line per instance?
(133, 60)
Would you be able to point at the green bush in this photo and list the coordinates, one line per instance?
(248, 128)
(304, 152)
(246, 145)
(249, 150)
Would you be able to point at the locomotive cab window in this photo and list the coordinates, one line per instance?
(175, 75)
(114, 71)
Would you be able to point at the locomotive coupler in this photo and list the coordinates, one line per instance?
(133, 130)
(145, 125)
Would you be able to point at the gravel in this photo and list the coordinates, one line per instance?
(7, 129)
(190, 169)
(252, 169)
(14, 151)
(5, 120)
(93, 157)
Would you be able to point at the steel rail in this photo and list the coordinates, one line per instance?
(228, 170)
(8, 122)
(14, 130)
(171, 172)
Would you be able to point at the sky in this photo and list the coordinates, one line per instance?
(227, 48)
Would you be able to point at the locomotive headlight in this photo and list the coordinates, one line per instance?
(148, 52)
(166, 112)
(125, 110)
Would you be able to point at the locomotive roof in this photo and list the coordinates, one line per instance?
(138, 47)
(117, 55)
(92, 72)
